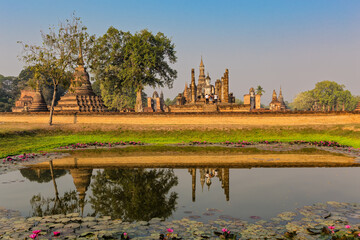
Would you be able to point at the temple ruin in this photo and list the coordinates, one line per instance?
(277, 103)
(80, 97)
(252, 99)
(205, 97)
(156, 103)
(31, 101)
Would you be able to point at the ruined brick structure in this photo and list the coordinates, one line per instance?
(277, 103)
(31, 101)
(80, 97)
(252, 99)
(205, 97)
(156, 103)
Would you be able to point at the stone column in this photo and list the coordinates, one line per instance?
(158, 104)
(226, 86)
(149, 102)
(218, 88)
(138, 105)
(247, 99)
(257, 101)
(193, 86)
(222, 90)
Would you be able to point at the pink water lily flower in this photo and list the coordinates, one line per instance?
(331, 227)
(33, 236)
(56, 233)
(224, 230)
(170, 230)
(347, 226)
(36, 232)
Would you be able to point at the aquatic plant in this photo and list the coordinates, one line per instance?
(225, 234)
(35, 234)
(100, 144)
(169, 235)
(125, 236)
(342, 233)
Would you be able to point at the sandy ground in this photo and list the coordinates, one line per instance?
(241, 161)
(171, 122)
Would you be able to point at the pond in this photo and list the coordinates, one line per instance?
(111, 186)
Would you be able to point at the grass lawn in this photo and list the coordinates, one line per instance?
(12, 143)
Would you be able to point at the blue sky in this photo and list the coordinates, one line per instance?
(287, 43)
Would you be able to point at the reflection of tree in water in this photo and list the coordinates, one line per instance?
(68, 203)
(134, 194)
(41, 175)
(72, 201)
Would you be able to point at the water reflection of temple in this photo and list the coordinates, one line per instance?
(206, 177)
(82, 179)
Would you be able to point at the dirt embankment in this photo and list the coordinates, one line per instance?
(176, 121)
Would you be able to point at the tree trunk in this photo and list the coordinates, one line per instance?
(343, 107)
(138, 105)
(52, 105)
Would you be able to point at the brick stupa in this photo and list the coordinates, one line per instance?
(31, 101)
(80, 97)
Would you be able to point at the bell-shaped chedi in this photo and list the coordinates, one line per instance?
(38, 103)
(30, 101)
(80, 97)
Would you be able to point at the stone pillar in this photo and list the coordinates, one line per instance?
(218, 88)
(247, 99)
(222, 97)
(226, 86)
(158, 104)
(149, 102)
(186, 92)
(193, 86)
(138, 105)
(257, 101)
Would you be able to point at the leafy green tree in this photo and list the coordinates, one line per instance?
(126, 63)
(133, 194)
(303, 101)
(327, 93)
(53, 61)
(238, 101)
(9, 91)
(169, 102)
(326, 96)
(259, 90)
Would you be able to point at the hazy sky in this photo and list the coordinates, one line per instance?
(287, 43)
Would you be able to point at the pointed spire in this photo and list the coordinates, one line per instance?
(37, 85)
(280, 94)
(201, 63)
(274, 96)
(80, 59)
